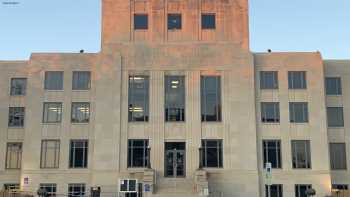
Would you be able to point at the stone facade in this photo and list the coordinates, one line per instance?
(158, 52)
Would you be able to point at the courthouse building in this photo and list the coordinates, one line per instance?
(175, 104)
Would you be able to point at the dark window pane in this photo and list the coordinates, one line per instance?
(78, 157)
(338, 156)
(275, 191)
(16, 117)
(54, 80)
(50, 188)
(18, 86)
(268, 80)
(300, 190)
(211, 98)
(270, 112)
(301, 154)
(80, 112)
(333, 86)
(208, 21)
(140, 21)
(138, 98)
(298, 112)
(297, 80)
(52, 112)
(174, 21)
(137, 153)
(174, 98)
(340, 186)
(212, 153)
(272, 153)
(335, 117)
(81, 80)
(14, 155)
(76, 190)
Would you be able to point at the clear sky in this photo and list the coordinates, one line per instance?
(71, 25)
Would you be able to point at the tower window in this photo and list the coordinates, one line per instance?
(140, 21)
(174, 21)
(208, 21)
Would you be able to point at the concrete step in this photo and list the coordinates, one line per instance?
(175, 186)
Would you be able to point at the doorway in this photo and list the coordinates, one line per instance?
(175, 159)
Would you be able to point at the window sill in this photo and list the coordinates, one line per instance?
(80, 123)
(18, 96)
(141, 30)
(136, 169)
(334, 95)
(213, 169)
(21, 127)
(51, 123)
(299, 123)
(54, 90)
(87, 90)
(174, 30)
(342, 127)
(270, 123)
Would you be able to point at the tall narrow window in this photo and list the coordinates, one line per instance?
(14, 155)
(301, 154)
(268, 80)
(138, 98)
(174, 98)
(81, 80)
(76, 190)
(174, 21)
(335, 117)
(54, 80)
(333, 86)
(270, 112)
(137, 153)
(272, 153)
(212, 153)
(18, 86)
(16, 117)
(80, 112)
(50, 153)
(78, 157)
(338, 156)
(140, 21)
(50, 188)
(298, 112)
(297, 80)
(300, 190)
(211, 98)
(275, 190)
(52, 112)
(208, 21)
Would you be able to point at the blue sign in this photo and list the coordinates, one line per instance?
(147, 188)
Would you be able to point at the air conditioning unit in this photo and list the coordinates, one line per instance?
(128, 186)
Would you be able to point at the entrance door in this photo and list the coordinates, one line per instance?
(175, 156)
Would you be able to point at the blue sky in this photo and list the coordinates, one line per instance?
(68, 26)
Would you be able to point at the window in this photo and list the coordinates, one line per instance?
(54, 80)
(138, 98)
(298, 112)
(50, 153)
(81, 80)
(11, 186)
(301, 154)
(16, 117)
(18, 86)
(50, 188)
(174, 21)
(297, 80)
(14, 155)
(337, 156)
(137, 153)
(270, 112)
(52, 113)
(78, 156)
(268, 80)
(275, 191)
(80, 112)
(212, 153)
(333, 86)
(272, 153)
(300, 190)
(340, 186)
(335, 117)
(76, 190)
(174, 98)
(140, 21)
(208, 21)
(211, 98)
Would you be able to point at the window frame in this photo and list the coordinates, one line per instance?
(204, 97)
(297, 188)
(131, 149)
(46, 85)
(72, 193)
(292, 112)
(336, 125)
(176, 27)
(13, 89)
(53, 186)
(205, 26)
(276, 112)
(296, 163)
(18, 155)
(340, 166)
(12, 117)
(46, 117)
(291, 80)
(56, 156)
(72, 155)
(338, 91)
(86, 117)
(219, 150)
(75, 81)
(279, 189)
(132, 101)
(263, 84)
(141, 27)
(181, 90)
(278, 153)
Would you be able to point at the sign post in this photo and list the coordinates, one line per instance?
(268, 178)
